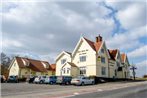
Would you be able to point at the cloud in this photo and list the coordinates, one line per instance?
(43, 25)
(141, 68)
(138, 53)
(11, 43)
(133, 16)
(128, 40)
(143, 63)
(41, 30)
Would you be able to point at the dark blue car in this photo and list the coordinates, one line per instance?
(13, 79)
(64, 80)
(50, 80)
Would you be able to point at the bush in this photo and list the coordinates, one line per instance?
(22, 79)
(145, 76)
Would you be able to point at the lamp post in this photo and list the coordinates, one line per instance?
(133, 68)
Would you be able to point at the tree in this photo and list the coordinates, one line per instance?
(144, 76)
(5, 60)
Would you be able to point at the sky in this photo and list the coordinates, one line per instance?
(43, 29)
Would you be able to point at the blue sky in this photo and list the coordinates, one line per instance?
(41, 30)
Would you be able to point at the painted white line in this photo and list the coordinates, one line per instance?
(76, 93)
(68, 96)
(99, 90)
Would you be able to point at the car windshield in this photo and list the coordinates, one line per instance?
(11, 76)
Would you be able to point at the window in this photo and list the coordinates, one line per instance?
(103, 70)
(102, 50)
(63, 61)
(103, 59)
(82, 70)
(118, 64)
(115, 72)
(64, 70)
(68, 71)
(82, 58)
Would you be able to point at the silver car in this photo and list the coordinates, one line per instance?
(82, 80)
(39, 79)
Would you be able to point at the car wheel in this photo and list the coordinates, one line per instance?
(41, 82)
(82, 84)
(92, 82)
(51, 82)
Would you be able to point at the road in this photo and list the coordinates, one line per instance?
(25, 90)
(129, 92)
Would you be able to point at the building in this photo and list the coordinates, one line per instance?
(125, 66)
(91, 59)
(23, 67)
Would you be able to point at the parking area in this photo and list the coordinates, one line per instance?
(8, 89)
(26, 90)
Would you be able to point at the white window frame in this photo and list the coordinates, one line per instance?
(83, 70)
(103, 70)
(103, 58)
(63, 61)
(83, 58)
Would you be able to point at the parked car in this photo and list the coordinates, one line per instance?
(39, 79)
(13, 79)
(102, 81)
(31, 79)
(82, 80)
(42, 79)
(50, 80)
(3, 78)
(64, 80)
(36, 80)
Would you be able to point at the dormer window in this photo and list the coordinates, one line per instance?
(63, 61)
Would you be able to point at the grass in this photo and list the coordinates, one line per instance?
(144, 79)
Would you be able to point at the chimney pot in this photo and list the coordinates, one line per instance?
(99, 38)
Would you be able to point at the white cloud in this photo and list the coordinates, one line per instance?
(133, 16)
(138, 53)
(128, 40)
(47, 28)
(11, 43)
(143, 63)
(141, 68)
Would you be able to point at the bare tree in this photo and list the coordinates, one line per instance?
(5, 60)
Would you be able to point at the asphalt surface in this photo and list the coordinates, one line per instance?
(25, 90)
(129, 92)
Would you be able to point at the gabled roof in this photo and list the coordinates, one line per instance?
(123, 57)
(20, 62)
(63, 52)
(91, 43)
(72, 64)
(35, 65)
(113, 53)
(94, 45)
(52, 67)
(68, 52)
(111, 56)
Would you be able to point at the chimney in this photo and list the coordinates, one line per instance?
(99, 38)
